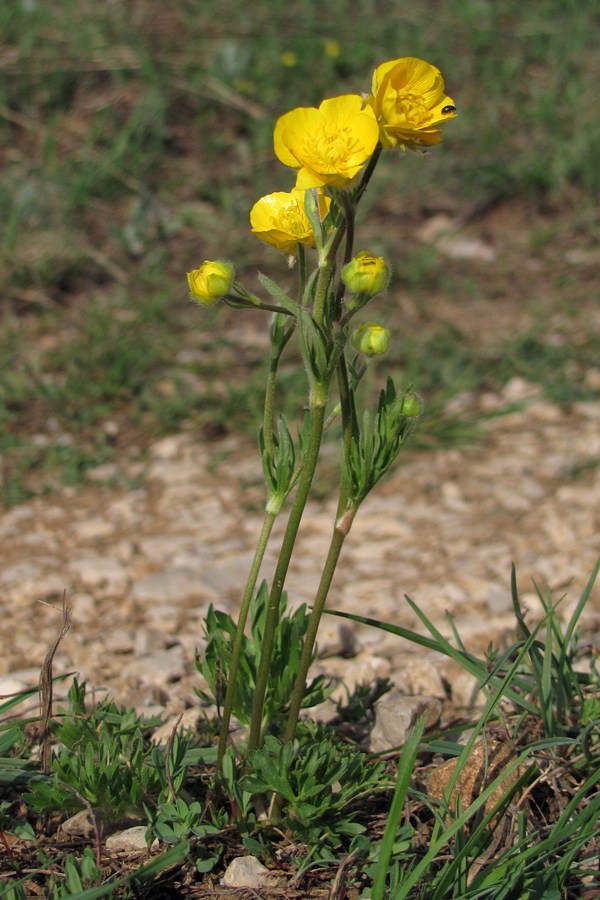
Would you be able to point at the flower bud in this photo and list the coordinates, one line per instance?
(371, 339)
(412, 405)
(210, 282)
(366, 275)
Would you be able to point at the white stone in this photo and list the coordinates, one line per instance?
(93, 529)
(159, 667)
(131, 840)
(171, 585)
(418, 676)
(395, 717)
(102, 575)
(249, 872)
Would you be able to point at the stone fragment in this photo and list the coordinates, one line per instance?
(336, 639)
(487, 761)
(160, 667)
(395, 717)
(249, 872)
(417, 676)
(79, 825)
(14, 683)
(188, 720)
(465, 691)
(93, 529)
(169, 448)
(131, 840)
(171, 585)
(102, 575)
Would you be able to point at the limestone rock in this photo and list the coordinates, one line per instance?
(249, 872)
(395, 717)
(131, 840)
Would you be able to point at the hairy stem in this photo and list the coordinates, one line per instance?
(335, 548)
(239, 633)
(289, 539)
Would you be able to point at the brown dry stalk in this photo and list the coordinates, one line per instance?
(169, 748)
(46, 688)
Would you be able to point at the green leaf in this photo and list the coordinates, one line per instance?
(278, 294)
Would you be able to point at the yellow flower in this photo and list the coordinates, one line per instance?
(289, 59)
(210, 282)
(366, 275)
(407, 96)
(331, 48)
(279, 219)
(328, 145)
(371, 339)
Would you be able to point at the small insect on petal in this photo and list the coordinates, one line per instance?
(448, 109)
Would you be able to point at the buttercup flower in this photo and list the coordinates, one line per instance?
(210, 282)
(289, 59)
(279, 219)
(331, 48)
(371, 339)
(366, 275)
(407, 96)
(328, 145)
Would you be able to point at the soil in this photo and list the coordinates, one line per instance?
(443, 529)
(138, 566)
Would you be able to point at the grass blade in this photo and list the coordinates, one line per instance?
(405, 768)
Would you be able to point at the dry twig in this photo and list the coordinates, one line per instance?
(46, 688)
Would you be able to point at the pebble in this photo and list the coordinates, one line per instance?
(248, 872)
(160, 667)
(102, 574)
(171, 585)
(131, 840)
(395, 717)
(141, 566)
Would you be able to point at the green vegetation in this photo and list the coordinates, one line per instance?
(119, 125)
(136, 138)
(528, 830)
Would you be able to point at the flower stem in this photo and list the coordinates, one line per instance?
(270, 392)
(335, 548)
(236, 649)
(287, 546)
(340, 532)
(349, 429)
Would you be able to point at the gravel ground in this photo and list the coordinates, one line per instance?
(139, 567)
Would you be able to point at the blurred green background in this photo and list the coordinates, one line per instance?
(135, 137)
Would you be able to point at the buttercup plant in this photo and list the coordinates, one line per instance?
(334, 150)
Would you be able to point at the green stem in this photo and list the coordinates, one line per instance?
(335, 548)
(321, 291)
(302, 271)
(349, 429)
(349, 423)
(269, 402)
(270, 393)
(261, 547)
(239, 633)
(367, 174)
(287, 546)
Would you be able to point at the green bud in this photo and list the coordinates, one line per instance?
(366, 275)
(412, 405)
(210, 282)
(371, 339)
